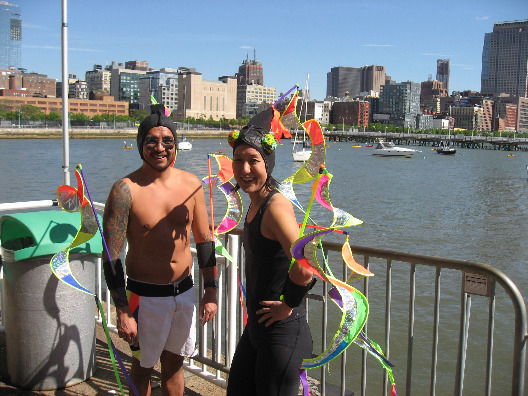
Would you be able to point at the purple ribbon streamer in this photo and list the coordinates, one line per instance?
(286, 94)
(304, 382)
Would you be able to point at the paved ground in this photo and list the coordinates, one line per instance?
(104, 382)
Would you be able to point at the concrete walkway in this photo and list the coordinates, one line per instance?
(104, 381)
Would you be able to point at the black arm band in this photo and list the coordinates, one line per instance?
(205, 252)
(294, 293)
(114, 275)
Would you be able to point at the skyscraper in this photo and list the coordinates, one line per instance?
(442, 72)
(10, 36)
(343, 80)
(351, 81)
(505, 59)
(402, 102)
(250, 72)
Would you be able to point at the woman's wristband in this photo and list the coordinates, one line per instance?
(294, 294)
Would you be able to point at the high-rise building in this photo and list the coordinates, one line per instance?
(431, 92)
(124, 83)
(206, 99)
(162, 85)
(354, 112)
(137, 65)
(344, 81)
(39, 85)
(98, 80)
(10, 36)
(250, 72)
(372, 78)
(467, 117)
(402, 102)
(442, 72)
(505, 59)
(251, 97)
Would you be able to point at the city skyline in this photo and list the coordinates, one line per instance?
(215, 38)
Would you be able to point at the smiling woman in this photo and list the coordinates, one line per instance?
(277, 336)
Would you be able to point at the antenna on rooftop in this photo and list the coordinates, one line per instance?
(254, 54)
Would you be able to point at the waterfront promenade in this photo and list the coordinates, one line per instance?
(97, 133)
(412, 139)
(103, 382)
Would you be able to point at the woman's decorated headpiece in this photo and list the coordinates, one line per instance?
(258, 135)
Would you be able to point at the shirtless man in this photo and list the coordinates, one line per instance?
(155, 208)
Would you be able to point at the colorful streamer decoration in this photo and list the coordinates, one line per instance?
(233, 213)
(351, 302)
(72, 199)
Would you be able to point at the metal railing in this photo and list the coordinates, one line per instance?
(444, 318)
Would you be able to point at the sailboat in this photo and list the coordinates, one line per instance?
(302, 155)
(444, 147)
(305, 152)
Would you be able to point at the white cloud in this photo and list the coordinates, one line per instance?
(26, 25)
(51, 47)
(463, 66)
(435, 54)
(245, 47)
(377, 45)
(484, 18)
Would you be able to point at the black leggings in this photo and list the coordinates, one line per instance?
(266, 360)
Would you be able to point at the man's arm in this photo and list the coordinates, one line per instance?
(206, 260)
(115, 223)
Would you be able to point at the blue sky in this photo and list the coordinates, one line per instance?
(292, 38)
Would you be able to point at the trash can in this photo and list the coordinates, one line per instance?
(49, 325)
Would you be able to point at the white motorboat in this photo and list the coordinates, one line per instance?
(389, 149)
(183, 144)
(301, 155)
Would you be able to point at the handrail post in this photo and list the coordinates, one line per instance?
(232, 247)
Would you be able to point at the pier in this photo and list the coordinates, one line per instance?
(409, 139)
(433, 140)
(456, 291)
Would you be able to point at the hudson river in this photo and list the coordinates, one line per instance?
(470, 206)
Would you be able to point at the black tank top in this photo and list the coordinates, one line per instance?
(267, 266)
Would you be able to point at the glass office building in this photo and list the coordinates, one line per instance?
(10, 36)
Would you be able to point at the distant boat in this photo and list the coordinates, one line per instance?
(389, 149)
(305, 152)
(126, 146)
(445, 149)
(183, 144)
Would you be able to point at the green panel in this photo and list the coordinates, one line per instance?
(35, 234)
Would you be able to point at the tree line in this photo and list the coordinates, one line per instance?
(29, 112)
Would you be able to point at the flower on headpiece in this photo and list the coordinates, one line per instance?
(233, 136)
(269, 143)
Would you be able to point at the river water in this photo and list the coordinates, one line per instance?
(470, 206)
